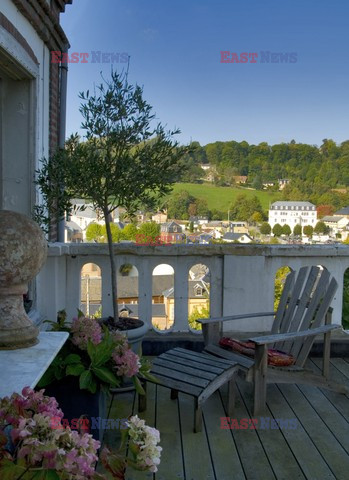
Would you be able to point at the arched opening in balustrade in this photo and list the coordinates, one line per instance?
(199, 279)
(91, 290)
(128, 290)
(163, 299)
(279, 283)
(345, 308)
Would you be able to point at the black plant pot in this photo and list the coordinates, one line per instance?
(75, 402)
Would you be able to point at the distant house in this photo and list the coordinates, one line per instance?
(343, 212)
(292, 214)
(213, 225)
(283, 182)
(198, 295)
(171, 232)
(73, 233)
(205, 238)
(159, 217)
(335, 223)
(231, 237)
(238, 227)
(242, 179)
(198, 220)
(215, 232)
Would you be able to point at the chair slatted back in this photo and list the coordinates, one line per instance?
(304, 303)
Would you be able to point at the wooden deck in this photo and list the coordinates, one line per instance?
(317, 449)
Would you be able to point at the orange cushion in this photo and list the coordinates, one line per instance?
(275, 357)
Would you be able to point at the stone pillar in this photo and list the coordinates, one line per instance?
(23, 250)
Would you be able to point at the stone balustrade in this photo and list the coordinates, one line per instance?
(242, 277)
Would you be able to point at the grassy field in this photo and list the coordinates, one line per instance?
(221, 198)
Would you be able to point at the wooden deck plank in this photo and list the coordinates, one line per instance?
(196, 453)
(342, 365)
(317, 449)
(334, 421)
(311, 412)
(272, 440)
(223, 450)
(339, 400)
(167, 422)
(309, 458)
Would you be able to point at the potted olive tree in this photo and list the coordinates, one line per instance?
(124, 161)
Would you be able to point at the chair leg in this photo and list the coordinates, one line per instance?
(197, 417)
(260, 379)
(231, 398)
(174, 394)
(142, 399)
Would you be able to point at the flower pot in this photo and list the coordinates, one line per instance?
(75, 402)
(134, 329)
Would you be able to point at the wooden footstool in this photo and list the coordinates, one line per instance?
(197, 374)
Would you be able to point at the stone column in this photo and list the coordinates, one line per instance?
(23, 250)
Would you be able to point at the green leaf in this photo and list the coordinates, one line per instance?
(106, 375)
(72, 358)
(10, 470)
(138, 386)
(75, 370)
(150, 377)
(47, 378)
(46, 475)
(85, 379)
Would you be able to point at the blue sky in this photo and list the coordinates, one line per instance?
(174, 50)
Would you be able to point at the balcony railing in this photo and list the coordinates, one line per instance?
(242, 277)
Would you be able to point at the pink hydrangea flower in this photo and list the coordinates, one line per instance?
(127, 364)
(85, 329)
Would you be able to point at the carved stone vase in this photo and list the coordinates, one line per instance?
(23, 250)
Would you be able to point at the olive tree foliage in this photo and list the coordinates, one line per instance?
(125, 160)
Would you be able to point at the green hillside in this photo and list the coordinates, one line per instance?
(221, 198)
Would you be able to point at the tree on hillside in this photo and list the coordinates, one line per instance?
(265, 228)
(94, 232)
(286, 230)
(308, 230)
(277, 230)
(323, 210)
(178, 204)
(257, 217)
(149, 230)
(244, 207)
(129, 232)
(321, 228)
(297, 230)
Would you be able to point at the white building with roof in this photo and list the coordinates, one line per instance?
(292, 214)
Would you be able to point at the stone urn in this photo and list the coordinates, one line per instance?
(23, 250)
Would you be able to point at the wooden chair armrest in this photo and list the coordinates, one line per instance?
(281, 337)
(206, 321)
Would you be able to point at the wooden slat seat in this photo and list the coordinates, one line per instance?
(193, 373)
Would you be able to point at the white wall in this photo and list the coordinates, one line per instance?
(34, 105)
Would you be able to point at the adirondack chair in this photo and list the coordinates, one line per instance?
(304, 311)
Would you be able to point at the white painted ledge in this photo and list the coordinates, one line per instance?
(25, 366)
